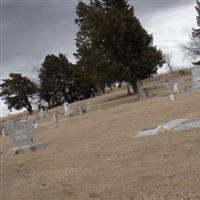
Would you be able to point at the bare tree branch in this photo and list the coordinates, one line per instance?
(192, 49)
(168, 61)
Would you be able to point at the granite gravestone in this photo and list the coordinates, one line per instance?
(196, 78)
(22, 133)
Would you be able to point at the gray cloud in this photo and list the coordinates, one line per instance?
(34, 28)
(31, 29)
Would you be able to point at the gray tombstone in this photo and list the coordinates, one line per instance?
(196, 78)
(22, 133)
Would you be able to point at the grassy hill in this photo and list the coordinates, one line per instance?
(95, 156)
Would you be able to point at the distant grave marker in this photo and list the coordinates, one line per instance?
(67, 109)
(22, 133)
(196, 78)
(84, 108)
(55, 118)
(173, 87)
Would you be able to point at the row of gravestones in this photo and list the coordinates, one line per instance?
(22, 132)
(173, 86)
(68, 111)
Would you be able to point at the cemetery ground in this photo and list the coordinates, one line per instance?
(95, 155)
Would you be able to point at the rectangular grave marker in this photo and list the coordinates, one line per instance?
(23, 133)
(196, 78)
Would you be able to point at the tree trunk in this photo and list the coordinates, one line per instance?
(29, 108)
(138, 88)
(134, 86)
(103, 90)
(28, 105)
(128, 90)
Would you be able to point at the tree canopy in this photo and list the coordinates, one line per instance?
(112, 42)
(55, 79)
(62, 81)
(17, 91)
(192, 49)
(196, 32)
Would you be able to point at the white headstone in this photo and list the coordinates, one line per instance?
(67, 110)
(196, 78)
(176, 90)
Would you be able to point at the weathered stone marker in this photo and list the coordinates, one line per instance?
(67, 109)
(22, 133)
(173, 89)
(196, 78)
(84, 108)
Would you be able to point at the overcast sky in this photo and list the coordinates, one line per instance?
(31, 29)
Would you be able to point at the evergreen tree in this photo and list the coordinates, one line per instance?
(17, 91)
(91, 56)
(192, 49)
(82, 87)
(196, 32)
(126, 49)
(55, 79)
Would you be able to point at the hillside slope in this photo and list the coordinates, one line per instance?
(95, 156)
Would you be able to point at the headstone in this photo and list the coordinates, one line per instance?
(196, 78)
(170, 86)
(88, 106)
(41, 113)
(22, 133)
(175, 90)
(84, 108)
(3, 132)
(55, 118)
(67, 109)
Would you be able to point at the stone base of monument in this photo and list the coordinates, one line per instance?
(34, 147)
(174, 125)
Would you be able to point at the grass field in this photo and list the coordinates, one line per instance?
(95, 156)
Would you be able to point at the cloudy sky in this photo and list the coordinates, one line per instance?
(31, 29)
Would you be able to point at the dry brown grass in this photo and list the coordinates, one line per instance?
(95, 156)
